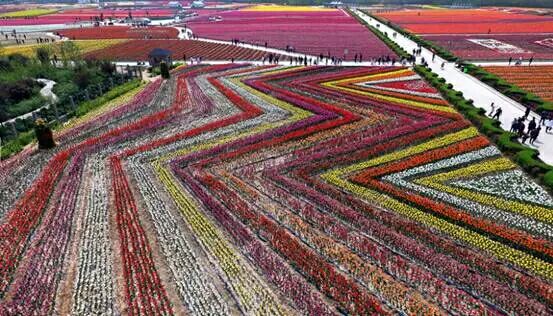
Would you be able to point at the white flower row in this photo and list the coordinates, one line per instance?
(512, 184)
(512, 219)
(93, 290)
(194, 285)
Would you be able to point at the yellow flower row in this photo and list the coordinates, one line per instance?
(500, 164)
(85, 46)
(429, 145)
(253, 294)
(297, 115)
(501, 251)
(336, 85)
(27, 13)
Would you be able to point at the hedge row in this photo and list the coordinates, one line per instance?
(525, 156)
(383, 37)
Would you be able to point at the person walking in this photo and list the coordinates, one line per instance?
(514, 125)
(521, 127)
(542, 118)
(534, 134)
(532, 125)
(510, 60)
(530, 61)
(526, 113)
(493, 108)
(524, 137)
(549, 126)
(497, 114)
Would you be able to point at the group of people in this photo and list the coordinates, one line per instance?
(518, 126)
(533, 131)
(519, 61)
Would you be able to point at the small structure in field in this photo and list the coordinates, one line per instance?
(157, 55)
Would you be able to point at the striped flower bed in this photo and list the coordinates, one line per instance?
(238, 189)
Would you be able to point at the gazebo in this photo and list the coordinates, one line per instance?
(157, 55)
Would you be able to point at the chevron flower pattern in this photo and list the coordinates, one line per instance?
(263, 190)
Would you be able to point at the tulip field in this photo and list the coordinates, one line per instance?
(238, 189)
(79, 15)
(138, 50)
(536, 79)
(325, 31)
(120, 32)
(481, 34)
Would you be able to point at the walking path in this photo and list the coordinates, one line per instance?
(472, 88)
(46, 92)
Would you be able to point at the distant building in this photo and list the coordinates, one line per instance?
(174, 5)
(334, 4)
(157, 55)
(198, 4)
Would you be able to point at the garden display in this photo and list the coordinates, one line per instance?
(537, 79)
(239, 189)
(330, 32)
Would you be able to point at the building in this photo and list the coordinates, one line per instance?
(198, 4)
(157, 55)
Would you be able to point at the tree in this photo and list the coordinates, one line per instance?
(44, 135)
(164, 69)
(43, 55)
(69, 51)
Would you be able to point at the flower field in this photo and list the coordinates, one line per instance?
(237, 189)
(133, 50)
(85, 46)
(27, 13)
(511, 45)
(536, 79)
(84, 15)
(322, 31)
(113, 32)
(481, 34)
(469, 21)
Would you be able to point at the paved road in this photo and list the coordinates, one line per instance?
(472, 88)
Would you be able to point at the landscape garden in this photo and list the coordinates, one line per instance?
(234, 185)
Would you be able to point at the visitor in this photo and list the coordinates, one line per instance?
(534, 134)
(521, 127)
(493, 108)
(360, 58)
(443, 65)
(526, 113)
(543, 116)
(514, 126)
(530, 61)
(433, 56)
(497, 114)
(510, 60)
(549, 126)
(524, 137)
(532, 125)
